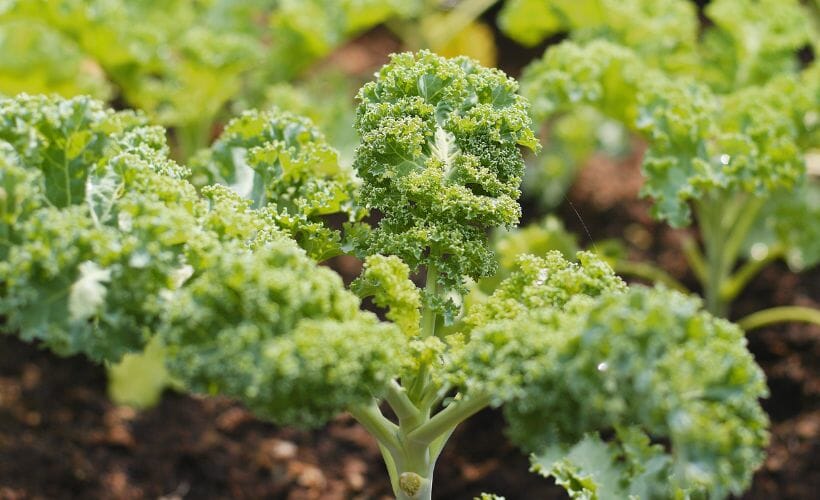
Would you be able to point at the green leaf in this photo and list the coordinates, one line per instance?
(649, 360)
(440, 160)
(139, 379)
(387, 280)
(272, 328)
(103, 206)
(282, 161)
(629, 467)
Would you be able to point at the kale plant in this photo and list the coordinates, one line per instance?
(729, 118)
(108, 244)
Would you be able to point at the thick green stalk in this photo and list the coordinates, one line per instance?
(725, 227)
(420, 383)
(447, 419)
(429, 316)
(738, 227)
(411, 448)
(377, 425)
(694, 257)
(709, 217)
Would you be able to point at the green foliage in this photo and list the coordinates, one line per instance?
(753, 41)
(269, 327)
(630, 467)
(139, 379)
(108, 246)
(785, 230)
(327, 100)
(549, 281)
(279, 159)
(663, 32)
(307, 30)
(571, 139)
(439, 160)
(649, 359)
(700, 145)
(569, 350)
(180, 63)
(387, 280)
(92, 202)
(183, 64)
(500, 328)
(535, 239)
(39, 60)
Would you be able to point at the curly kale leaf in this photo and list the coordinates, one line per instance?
(631, 467)
(650, 360)
(499, 336)
(180, 64)
(787, 227)
(571, 352)
(387, 280)
(279, 159)
(701, 146)
(103, 206)
(271, 328)
(440, 160)
(752, 41)
(550, 281)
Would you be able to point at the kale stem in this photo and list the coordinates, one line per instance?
(377, 425)
(429, 316)
(785, 314)
(725, 227)
(738, 229)
(419, 385)
(447, 419)
(709, 213)
(396, 397)
(695, 259)
(390, 463)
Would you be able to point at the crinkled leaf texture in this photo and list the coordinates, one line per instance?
(745, 43)
(387, 280)
(573, 354)
(440, 160)
(105, 243)
(280, 159)
(271, 328)
(789, 222)
(92, 203)
(652, 365)
(701, 145)
(752, 41)
(488, 356)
